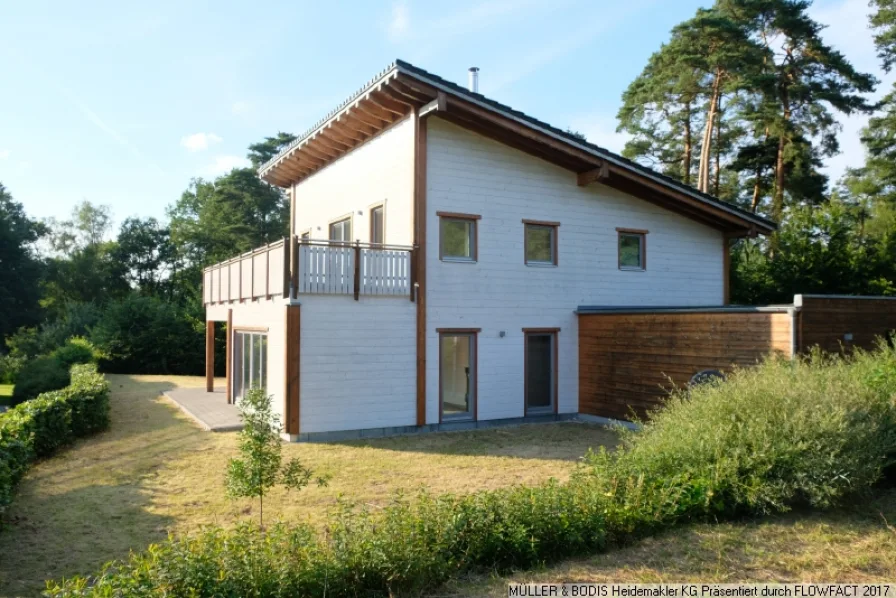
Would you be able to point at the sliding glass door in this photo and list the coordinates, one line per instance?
(457, 374)
(251, 357)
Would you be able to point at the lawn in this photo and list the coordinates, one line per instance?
(155, 472)
(857, 544)
(5, 394)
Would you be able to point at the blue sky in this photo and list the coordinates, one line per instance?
(123, 103)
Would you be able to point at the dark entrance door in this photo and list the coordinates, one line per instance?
(540, 374)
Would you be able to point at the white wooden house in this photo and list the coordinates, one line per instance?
(440, 244)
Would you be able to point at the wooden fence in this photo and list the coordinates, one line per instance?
(261, 273)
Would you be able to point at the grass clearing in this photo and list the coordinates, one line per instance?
(857, 544)
(6, 394)
(154, 472)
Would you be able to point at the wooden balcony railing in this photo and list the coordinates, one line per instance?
(321, 267)
(336, 268)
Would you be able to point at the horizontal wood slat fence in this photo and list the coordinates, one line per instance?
(629, 359)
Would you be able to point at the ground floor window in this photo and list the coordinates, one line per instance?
(540, 370)
(457, 373)
(251, 358)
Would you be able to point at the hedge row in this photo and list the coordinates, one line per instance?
(37, 428)
(775, 437)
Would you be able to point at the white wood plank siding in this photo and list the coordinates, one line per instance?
(469, 173)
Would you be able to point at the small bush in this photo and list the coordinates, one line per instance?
(9, 368)
(43, 374)
(76, 350)
(39, 427)
(812, 432)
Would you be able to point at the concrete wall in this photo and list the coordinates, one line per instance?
(470, 173)
(378, 172)
(358, 363)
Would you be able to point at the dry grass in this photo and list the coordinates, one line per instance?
(155, 472)
(850, 545)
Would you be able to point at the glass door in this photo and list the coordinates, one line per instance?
(251, 356)
(540, 372)
(457, 374)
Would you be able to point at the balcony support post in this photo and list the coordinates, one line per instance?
(357, 270)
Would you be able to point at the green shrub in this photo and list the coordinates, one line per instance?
(39, 427)
(781, 435)
(76, 350)
(39, 375)
(10, 366)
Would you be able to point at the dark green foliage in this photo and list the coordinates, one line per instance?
(37, 428)
(10, 366)
(37, 376)
(76, 350)
(20, 268)
(810, 433)
(149, 335)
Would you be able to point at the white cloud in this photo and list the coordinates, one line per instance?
(199, 141)
(4, 154)
(600, 129)
(400, 21)
(223, 165)
(240, 107)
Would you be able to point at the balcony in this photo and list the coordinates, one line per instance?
(321, 268)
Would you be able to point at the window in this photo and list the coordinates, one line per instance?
(251, 355)
(540, 242)
(306, 235)
(632, 249)
(341, 230)
(377, 225)
(458, 238)
(457, 373)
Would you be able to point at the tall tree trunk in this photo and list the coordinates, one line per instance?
(706, 148)
(778, 198)
(757, 185)
(688, 148)
(717, 183)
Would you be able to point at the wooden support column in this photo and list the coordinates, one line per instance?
(229, 358)
(293, 363)
(357, 270)
(420, 259)
(210, 355)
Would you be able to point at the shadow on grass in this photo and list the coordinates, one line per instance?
(563, 441)
(75, 532)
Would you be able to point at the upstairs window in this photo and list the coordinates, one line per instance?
(306, 235)
(458, 240)
(341, 230)
(632, 249)
(540, 242)
(377, 225)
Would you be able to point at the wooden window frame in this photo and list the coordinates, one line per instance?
(343, 218)
(473, 333)
(307, 231)
(370, 210)
(632, 232)
(555, 344)
(555, 234)
(474, 221)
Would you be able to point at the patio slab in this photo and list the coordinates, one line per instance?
(209, 409)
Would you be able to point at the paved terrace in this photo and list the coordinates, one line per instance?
(209, 409)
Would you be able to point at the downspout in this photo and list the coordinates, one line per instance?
(794, 312)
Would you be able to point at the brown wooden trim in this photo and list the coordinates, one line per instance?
(357, 273)
(459, 215)
(474, 384)
(250, 328)
(229, 352)
(726, 271)
(419, 259)
(293, 368)
(289, 273)
(209, 355)
(351, 220)
(632, 231)
(540, 222)
(555, 243)
(455, 216)
(555, 350)
(601, 173)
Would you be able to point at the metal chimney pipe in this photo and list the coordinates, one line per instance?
(473, 84)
